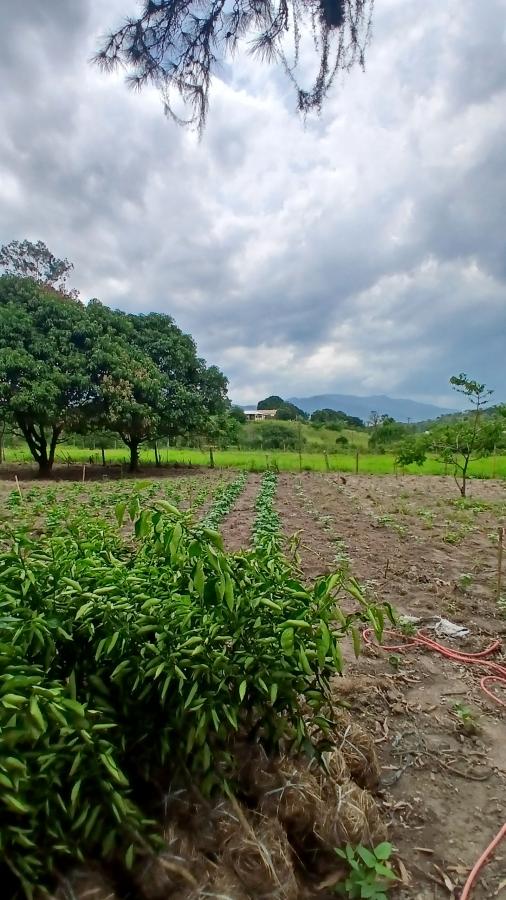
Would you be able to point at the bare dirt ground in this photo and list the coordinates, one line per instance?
(443, 789)
(236, 530)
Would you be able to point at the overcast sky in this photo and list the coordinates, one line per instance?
(363, 252)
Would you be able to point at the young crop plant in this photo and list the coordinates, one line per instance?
(466, 718)
(224, 500)
(370, 872)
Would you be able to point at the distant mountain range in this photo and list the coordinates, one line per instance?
(400, 410)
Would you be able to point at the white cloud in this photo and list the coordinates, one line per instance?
(363, 251)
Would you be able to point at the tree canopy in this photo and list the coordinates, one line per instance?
(66, 367)
(237, 413)
(45, 385)
(274, 436)
(335, 416)
(34, 260)
(388, 431)
(286, 411)
(274, 401)
(178, 45)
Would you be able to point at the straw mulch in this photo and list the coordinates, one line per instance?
(274, 839)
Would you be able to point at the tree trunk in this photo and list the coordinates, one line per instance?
(52, 446)
(46, 459)
(45, 468)
(103, 456)
(134, 456)
(464, 479)
(42, 453)
(157, 455)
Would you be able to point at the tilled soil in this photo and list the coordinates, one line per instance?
(443, 789)
(236, 529)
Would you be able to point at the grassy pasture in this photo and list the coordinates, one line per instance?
(255, 460)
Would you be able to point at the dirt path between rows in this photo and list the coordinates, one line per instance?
(317, 550)
(236, 528)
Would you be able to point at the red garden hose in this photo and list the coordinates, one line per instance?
(498, 672)
(481, 862)
(497, 676)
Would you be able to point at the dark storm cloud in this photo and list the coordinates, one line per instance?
(362, 252)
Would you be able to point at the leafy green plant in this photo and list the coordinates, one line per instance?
(388, 521)
(466, 718)
(453, 535)
(465, 581)
(224, 500)
(395, 660)
(370, 872)
(123, 659)
(475, 506)
(266, 526)
(428, 516)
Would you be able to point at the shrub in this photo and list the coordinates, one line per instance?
(122, 661)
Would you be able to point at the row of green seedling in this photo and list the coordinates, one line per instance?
(267, 525)
(223, 501)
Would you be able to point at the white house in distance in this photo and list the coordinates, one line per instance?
(258, 415)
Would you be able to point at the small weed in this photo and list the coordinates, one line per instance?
(407, 628)
(466, 718)
(342, 557)
(395, 660)
(388, 521)
(465, 581)
(14, 500)
(474, 506)
(384, 521)
(402, 510)
(452, 537)
(370, 872)
(428, 516)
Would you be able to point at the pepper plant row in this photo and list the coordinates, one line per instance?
(224, 501)
(126, 663)
(57, 502)
(266, 526)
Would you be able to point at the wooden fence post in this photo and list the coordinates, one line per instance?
(18, 488)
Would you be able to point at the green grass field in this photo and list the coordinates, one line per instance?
(368, 463)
